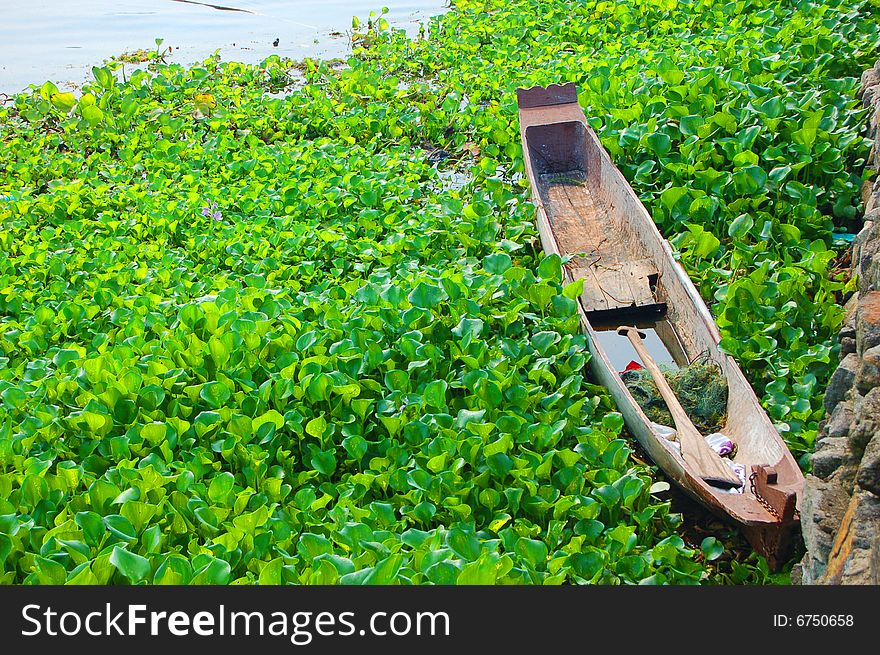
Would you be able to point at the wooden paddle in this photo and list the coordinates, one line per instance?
(704, 461)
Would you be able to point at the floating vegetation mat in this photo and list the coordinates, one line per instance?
(251, 333)
(700, 387)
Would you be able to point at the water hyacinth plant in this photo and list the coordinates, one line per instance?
(360, 370)
(212, 211)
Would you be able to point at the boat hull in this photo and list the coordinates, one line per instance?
(599, 207)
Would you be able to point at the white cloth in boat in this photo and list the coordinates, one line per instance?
(718, 442)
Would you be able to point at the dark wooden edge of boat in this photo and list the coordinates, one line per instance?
(540, 96)
(614, 317)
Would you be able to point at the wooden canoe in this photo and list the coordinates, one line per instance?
(587, 211)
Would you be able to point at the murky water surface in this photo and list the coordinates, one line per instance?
(60, 40)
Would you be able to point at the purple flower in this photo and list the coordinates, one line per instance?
(211, 211)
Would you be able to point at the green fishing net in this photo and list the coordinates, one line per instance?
(700, 387)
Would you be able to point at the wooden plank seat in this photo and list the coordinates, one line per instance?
(624, 286)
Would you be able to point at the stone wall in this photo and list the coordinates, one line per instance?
(840, 512)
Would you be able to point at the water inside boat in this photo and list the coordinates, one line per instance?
(660, 340)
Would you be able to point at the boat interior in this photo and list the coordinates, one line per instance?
(621, 285)
(629, 279)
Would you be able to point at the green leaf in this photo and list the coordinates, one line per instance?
(690, 124)
(574, 290)
(659, 487)
(659, 143)
(64, 101)
(356, 446)
(138, 513)
(215, 394)
(270, 572)
(154, 433)
(319, 387)
(104, 77)
(47, 572)
(324, 461)
(271, 417)
(533, 551)
(712, 548)
(481, 572)
(425, 511)
(63, 357)
(550, 268)
(750, 180)
(543, 341)
(151, 397)
(468, 327)
(426, 296)
(13, 398)
(725, 121)
(132, 566)
(705, 244)
(92, 527)
(175, 570)
(435, 393)
(91, 114)
(497, 263)
(385, 572)
(808, 133)
(216, 572)
(221, 486)
(740, 226)
(588, 564)
(670, 197)
(316, 427)
(463, 543)
(312, 545)
(120, 527)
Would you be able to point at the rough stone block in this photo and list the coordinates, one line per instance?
(869, 78)
(868, 374)
(850, 309)
(841, 548)
(853, 558)
(841, 381)
(873, 200)
(868, 477)
(868, 94)
(868, 320)
(866, 412)
(831, 453)
(867, 190)
(847, 346)
(822, 506)
(841, 418)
